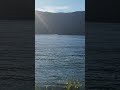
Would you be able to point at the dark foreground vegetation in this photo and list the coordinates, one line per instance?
(69, 85)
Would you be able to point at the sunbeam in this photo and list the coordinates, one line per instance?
(43, 20)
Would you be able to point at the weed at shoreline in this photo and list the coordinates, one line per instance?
(69, 85)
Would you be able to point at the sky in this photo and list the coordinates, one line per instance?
(60, 5)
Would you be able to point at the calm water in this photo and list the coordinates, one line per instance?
(59, 58)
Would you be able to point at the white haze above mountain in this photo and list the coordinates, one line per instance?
(53, 8)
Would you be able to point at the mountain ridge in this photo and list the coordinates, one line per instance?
(60, 23)
(57, 12)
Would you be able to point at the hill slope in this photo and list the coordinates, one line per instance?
(59, 23)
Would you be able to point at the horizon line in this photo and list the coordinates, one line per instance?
(60, 12)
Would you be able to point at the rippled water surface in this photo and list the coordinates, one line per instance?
(59, 58)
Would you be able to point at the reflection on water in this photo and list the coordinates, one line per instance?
(59, 58)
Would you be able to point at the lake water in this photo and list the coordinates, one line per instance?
(59, 58)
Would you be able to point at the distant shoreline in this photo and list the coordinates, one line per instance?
(63, 34)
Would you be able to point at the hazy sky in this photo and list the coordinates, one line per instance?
(60, 5)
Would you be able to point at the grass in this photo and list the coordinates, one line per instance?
(69, 85)
(72, 85)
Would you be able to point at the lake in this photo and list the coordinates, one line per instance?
(59, 58)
